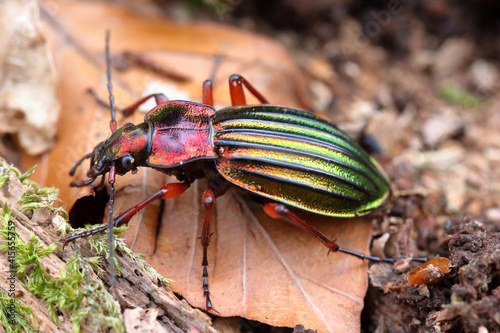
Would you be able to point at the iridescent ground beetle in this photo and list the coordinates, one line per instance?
(289, 157)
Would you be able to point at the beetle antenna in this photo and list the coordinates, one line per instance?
(112, 122)
(112, 171)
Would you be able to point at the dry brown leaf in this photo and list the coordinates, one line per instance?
(261, 269)
(28, 103)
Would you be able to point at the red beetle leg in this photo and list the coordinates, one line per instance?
(128, 111)
(208, 96)
(277, 210)
(165, 192)
(236, 83)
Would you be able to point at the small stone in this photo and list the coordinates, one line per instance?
(482, 329)
(483, 74)
(455, 189)
(351, 69)
(440, 160)
(424, 290)
(451, 56)
(322, 95)
(493, 214)
(440, 127)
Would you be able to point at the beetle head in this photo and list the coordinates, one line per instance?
(125, 149)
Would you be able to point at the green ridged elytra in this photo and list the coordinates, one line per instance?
(288, 157)
(298, 159)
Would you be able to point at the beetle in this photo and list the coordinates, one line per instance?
(289, 157)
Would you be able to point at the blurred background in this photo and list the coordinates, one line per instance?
(416, 82)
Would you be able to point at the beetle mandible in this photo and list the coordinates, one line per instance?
(289, 157)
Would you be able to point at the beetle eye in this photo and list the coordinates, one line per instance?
(127, 162)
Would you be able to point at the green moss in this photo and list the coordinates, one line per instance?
(73, 291)
(35, 198)
(13, 315)
(32, 197)
(86, 300)
(7, 170)
(100, 244)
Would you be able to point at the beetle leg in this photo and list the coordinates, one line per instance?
(165, 192)
(77, 164)
(99, 101)
(208, 96)
(84, 182)
(276, 210)
(236, 83)
(128, 111)
(208, 199)
(142, 61)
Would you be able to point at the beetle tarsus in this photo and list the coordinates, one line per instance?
(117, 222)
(83, 183)
(77, 164)
(378, 259)
(83, 235)
(206, 291)
(99, 101)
